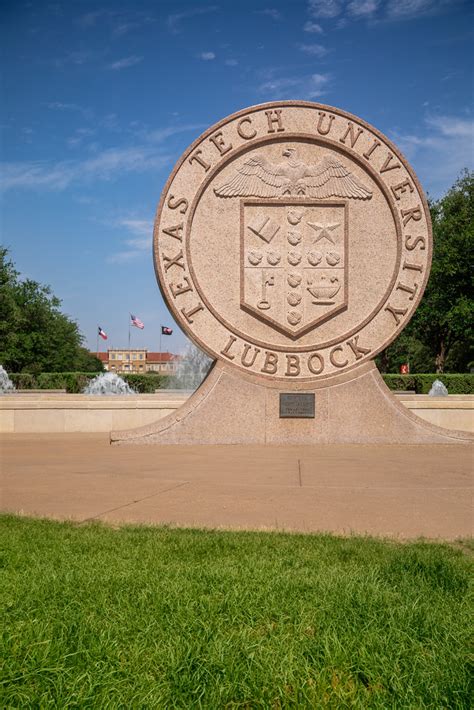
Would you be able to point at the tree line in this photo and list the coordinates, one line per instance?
(35, 336)
(439, 337)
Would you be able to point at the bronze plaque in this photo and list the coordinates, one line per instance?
(297, 405)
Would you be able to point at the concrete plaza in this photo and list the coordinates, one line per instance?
(389, 490)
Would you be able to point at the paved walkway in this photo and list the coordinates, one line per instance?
(402, 491)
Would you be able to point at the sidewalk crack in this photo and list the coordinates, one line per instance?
(138, 500)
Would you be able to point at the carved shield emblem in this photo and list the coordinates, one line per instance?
(294, 258)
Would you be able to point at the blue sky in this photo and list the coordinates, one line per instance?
(100, 99)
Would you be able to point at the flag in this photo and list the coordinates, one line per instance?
(137, 322)
(166, 331)
(102, 334)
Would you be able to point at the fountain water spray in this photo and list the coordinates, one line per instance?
(438, 389)
(6, 385)
(191, 370)
(108, 383)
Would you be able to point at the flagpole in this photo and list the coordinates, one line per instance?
(160, 337)
(129, 317)
(97, 347)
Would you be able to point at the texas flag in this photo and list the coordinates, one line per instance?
(102, 333)
(137, 322)
(166, 331)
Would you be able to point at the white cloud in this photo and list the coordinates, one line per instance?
(453, 127)
(303, 87)
(315, 50)
(119, 22)
(175, 20)
(139, 244)
(123, 256)
(79, 135)
(122, 28)
(60, 106)
(407, 9)
(271, 12)
(207, 56)
(103, 165)
(162, 134)
(77, 57)
(231, 62)
(89, 19)
(125, 63)
(362, 8)
(313, 28)
(106, 165)
(344, 11)
(325, 8)
(440, 152)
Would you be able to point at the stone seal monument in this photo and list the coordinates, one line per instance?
(292, 243)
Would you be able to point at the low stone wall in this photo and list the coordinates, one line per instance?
(62, 413)
(57, 413)
(456, 411)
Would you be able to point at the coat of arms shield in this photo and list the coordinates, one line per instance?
(294, 259)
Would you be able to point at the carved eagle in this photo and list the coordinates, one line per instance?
(258, 177)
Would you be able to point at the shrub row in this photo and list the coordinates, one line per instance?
(74, 382)
(145, 383)
(421, 384)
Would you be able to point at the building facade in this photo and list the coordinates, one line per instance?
(138, 361)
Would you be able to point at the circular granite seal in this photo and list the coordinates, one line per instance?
(292, 241)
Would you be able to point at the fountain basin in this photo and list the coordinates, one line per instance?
(61, 413)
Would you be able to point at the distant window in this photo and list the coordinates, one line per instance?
(141, 356)
(112, 356)
(119, 356)
(127, 356)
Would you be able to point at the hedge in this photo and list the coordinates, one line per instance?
(144, 383)
(421, 384)
(22, 380)
(74, 382)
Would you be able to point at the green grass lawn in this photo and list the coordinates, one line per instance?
(142, 617)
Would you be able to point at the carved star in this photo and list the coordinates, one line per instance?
(324, 231)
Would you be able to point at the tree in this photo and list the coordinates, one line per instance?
(34, 335)
(439, 336)
(87, 362)
(406, 348)
(10, 314)
(445, 314)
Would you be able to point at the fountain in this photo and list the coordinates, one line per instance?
(108, 383)
(438, 389)
(6, 385)
(191, 370)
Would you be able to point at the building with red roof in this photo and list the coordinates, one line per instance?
(138, 360)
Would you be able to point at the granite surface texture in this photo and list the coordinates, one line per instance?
(292, 243)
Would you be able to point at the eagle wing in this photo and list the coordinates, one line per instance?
(332, 179)
(255, 178)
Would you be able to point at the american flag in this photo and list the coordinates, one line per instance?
(137, 322)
